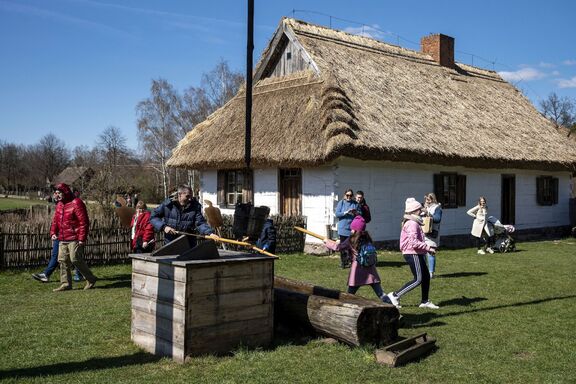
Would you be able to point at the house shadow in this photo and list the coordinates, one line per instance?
(432, 319)
(95, 364)
(459, 274)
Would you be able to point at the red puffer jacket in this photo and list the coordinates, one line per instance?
(70, 221)
(144, 228)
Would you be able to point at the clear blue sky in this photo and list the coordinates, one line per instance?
(75, 67)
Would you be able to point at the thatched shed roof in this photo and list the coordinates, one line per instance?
(366, 99)
(73, 175)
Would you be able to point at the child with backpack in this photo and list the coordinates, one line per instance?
(414, 248)
(360, 247)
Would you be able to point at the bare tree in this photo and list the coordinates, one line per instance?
(47, 158)
(221, 84)
(13, 167)
(112, 147)
(157, 128)
(83, 156)
(561, 110)
(166, 117)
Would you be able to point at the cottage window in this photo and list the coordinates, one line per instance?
(234, 187)
(547, 190)
(450, 189)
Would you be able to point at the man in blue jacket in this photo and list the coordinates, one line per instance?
(182, 214)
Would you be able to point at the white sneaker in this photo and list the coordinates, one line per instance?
(481, 252)
(431, 275)
(429, 305)
(489, 250)
(394, 300)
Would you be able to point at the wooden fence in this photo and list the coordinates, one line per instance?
(28, 245)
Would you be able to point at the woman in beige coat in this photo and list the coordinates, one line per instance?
(480, 228)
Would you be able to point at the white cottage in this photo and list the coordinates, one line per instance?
(333, 111)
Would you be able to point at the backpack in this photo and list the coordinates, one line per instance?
(367, 255)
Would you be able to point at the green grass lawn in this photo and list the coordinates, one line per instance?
(504, 318)
(10, 203)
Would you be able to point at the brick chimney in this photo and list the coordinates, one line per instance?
(440, 47)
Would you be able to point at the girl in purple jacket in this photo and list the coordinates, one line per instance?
(414, 249)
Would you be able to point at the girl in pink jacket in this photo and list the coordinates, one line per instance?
(414, 249)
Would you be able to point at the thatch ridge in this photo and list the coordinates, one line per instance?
(377, 101)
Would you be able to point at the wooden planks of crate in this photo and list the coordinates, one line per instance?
(183, 308)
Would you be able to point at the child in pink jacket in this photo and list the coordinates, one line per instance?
(414, 250)
(359, 275)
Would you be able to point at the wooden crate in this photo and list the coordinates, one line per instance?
(183, 308)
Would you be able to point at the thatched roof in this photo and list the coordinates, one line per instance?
(366, 99)
(73, 175)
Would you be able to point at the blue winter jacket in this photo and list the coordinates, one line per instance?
(170, 213)
(267, 240)
(344, 219)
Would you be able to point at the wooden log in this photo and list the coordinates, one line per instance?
(345, 317)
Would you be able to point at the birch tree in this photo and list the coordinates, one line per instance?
(157, 128)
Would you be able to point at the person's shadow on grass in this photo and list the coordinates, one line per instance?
(118, 281)
(431, 318)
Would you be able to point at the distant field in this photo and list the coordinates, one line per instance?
(9, 203)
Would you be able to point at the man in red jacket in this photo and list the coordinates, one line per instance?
(70, 226)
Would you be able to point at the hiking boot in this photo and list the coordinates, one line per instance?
(489, 250)
(394, 300)
(90, 285)
(429, 305)
(40, 277)
(63, 287)
(481, 252)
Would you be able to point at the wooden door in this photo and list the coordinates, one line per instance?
(290, 183)
(508, 214)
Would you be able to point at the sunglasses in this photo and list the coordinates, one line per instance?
(348, 195)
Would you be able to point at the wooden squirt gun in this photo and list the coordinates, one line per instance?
(304, 230)
(229, 241)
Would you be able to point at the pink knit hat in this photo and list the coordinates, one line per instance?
(412, 205)
(358, 224)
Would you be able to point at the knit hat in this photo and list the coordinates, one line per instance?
(358, 224)
(412, 205)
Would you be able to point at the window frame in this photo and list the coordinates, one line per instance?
(235, 183)
(547, 190)
(450, 189)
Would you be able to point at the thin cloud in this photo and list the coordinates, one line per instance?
(59, 17)
(567, 83)
(371, 31)
(164, 14)
(569, 62)
(546, 65)
(524, 74)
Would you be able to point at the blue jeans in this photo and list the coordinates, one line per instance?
(431, 262)
(53, 263)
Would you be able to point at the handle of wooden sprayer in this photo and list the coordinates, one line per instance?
(314, 234)
(230, 241)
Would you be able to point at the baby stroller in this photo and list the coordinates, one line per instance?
(503, 242)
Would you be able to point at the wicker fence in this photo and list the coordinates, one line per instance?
(28, 245)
